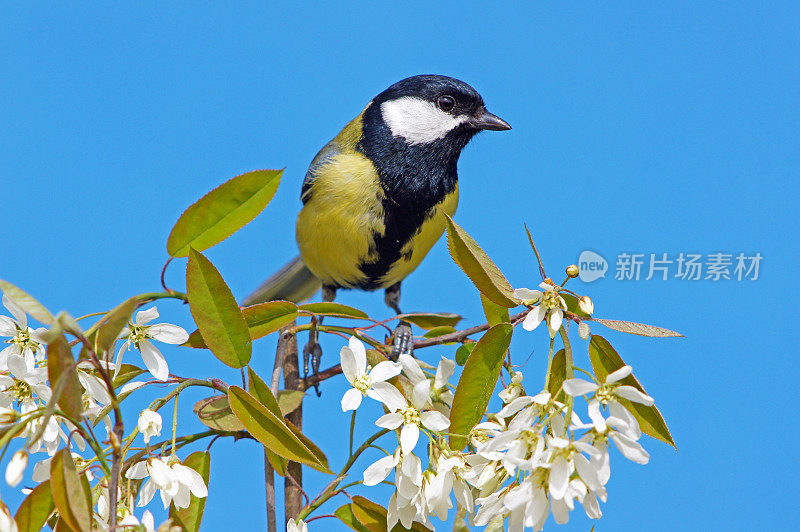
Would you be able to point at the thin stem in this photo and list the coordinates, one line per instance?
(331, 489)
(175, 423)
(569, 373)
(352, 431)
(163, 272)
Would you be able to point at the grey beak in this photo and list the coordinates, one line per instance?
(486, 120)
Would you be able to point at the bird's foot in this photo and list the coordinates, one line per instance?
(402, 340)
(313, 352)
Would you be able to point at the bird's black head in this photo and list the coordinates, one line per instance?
(417, 127)
(424, 109)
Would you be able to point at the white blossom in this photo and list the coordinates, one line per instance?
(139, 334)
(296, 525)
(26, 344)
(354, 366)
(149, 424)
(172, 479)
(409, 415)
(548, 304)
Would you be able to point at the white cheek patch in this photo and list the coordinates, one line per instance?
(418, 121)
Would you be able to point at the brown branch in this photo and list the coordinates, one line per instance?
(458, 336)
(292, 487)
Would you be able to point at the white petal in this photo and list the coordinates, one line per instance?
(526, 294)
(534, 318)
(596, 416)
(421, 394)
(409, 435)
(143, 316)
(154, 360)
(7, 326)
(384, 371)
(16, 468)
(168, 333)
(444, 371)
(435, 421)
(411, 368)
(587, 472)
(621, 373)
(632, 394)
(146, 493)
(16, 311)
(390, 396)
(578, 387)
(359, 352)
(632, 450)
(378, 471)
(389, 421)
(559, 478)
(349, 366)
(351, 400)
(195, 482)
(515, 406)
(160, 472)
(18, 366)
(556, 317)
(138, 470)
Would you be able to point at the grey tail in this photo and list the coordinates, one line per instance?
(294, 282)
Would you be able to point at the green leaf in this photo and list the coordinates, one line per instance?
(431, 320)
(267, 318)
(272, 431)
(70, 494)
(35, 509)
(127, 372)
(215, 413)
(558, 372)
(495, 314)
(483, 273)
(216, 312)
(463, 352)
(223, 211)
(605, 360)
(105, 332)
(440, 331)
(27, 303)
(372, 516)
(638, 328)
(262, 319)
(260, 390)
(346, 516)
(190, 517)
(290, 400)
(477, 382)
(336, 310)
(279, 463)
(60, 362)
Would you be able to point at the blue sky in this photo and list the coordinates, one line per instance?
(637, 129)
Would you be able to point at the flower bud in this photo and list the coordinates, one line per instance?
(583, 330)
(586, 305)
(572, 271)
(16, 468)
(7, 416)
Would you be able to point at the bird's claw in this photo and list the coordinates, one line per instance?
(402, 340)
(313, 352)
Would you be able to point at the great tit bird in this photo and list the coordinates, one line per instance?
(375, 197)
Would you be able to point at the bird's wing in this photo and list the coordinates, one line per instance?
(330, 150)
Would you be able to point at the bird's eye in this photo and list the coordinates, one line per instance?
(446, 103)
